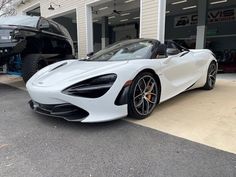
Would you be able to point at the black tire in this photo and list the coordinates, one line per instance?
(31, 64)
(211, 76)
(143, 96)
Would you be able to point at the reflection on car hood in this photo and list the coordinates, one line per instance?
(74, 72)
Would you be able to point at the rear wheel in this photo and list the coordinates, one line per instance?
(31, 64)
(143, 96)
(211, 76)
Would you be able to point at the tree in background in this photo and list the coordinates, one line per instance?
(7, 7)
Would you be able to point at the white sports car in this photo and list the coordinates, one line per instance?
(127, 78)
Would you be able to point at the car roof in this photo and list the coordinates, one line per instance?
(30, 21)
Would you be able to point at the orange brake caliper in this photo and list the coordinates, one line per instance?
(149, 96)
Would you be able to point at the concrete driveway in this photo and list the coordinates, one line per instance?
(172, 142)
(206, 117)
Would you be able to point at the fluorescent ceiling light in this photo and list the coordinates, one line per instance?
(190, 7)
(124, 20)
(95, 20)
(103, 8)
(167, 11)
(135, 18)
(218, 2)
(128, 1)
(179, 2)
(111, 17)
(125, 14)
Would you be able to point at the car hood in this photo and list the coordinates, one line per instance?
(8, 27)
(73, 71)
(12, 27)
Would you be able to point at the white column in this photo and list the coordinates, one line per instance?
(200, 38)
(202, 22)
(161, 20)
(78, 36)
(152, 19)
(89, 29)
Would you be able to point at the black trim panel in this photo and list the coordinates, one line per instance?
(66, 111)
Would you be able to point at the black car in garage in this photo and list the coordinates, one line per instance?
(37, 40)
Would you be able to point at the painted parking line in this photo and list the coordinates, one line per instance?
(206, 117)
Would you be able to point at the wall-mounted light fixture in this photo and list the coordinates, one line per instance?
(51, 5)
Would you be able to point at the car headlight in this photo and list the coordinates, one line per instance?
(17, 34)
(5, 37)
(92, 88)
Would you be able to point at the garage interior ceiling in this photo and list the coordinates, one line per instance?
(129, 11)
(132, 8)
(173, 9)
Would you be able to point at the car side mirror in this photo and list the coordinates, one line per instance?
(90, 54)
(172, 51)
(44, 26)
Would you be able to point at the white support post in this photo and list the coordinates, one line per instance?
(161, 20)
(201, 39)
(152, 19)
(202, 21)
(89, 29)
(78, 38)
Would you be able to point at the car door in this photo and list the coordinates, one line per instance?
(46, 36)
(52, 37)
(179, 71)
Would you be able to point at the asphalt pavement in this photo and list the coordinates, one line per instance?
(32, 145)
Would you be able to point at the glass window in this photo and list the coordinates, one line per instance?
(43, 23)
(54, 27)
(29, 21)
(125, 51)
(64, 31)
(174, 45)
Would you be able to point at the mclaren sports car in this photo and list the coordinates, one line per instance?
(128, 78)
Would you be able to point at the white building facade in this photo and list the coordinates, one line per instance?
(94, 24)
(151, 23)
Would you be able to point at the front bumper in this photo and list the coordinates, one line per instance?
(65, 111)
(11, 48)
(101, 109)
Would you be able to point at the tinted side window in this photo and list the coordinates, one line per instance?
(55, 29)
(172, 45)
(180, 47)
(43, 23)
(64, 31)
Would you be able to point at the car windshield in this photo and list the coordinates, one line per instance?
(128, 50)
(29, 21)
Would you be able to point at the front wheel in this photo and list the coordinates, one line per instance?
(211, 76)
(31, 64)
(143, 96)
